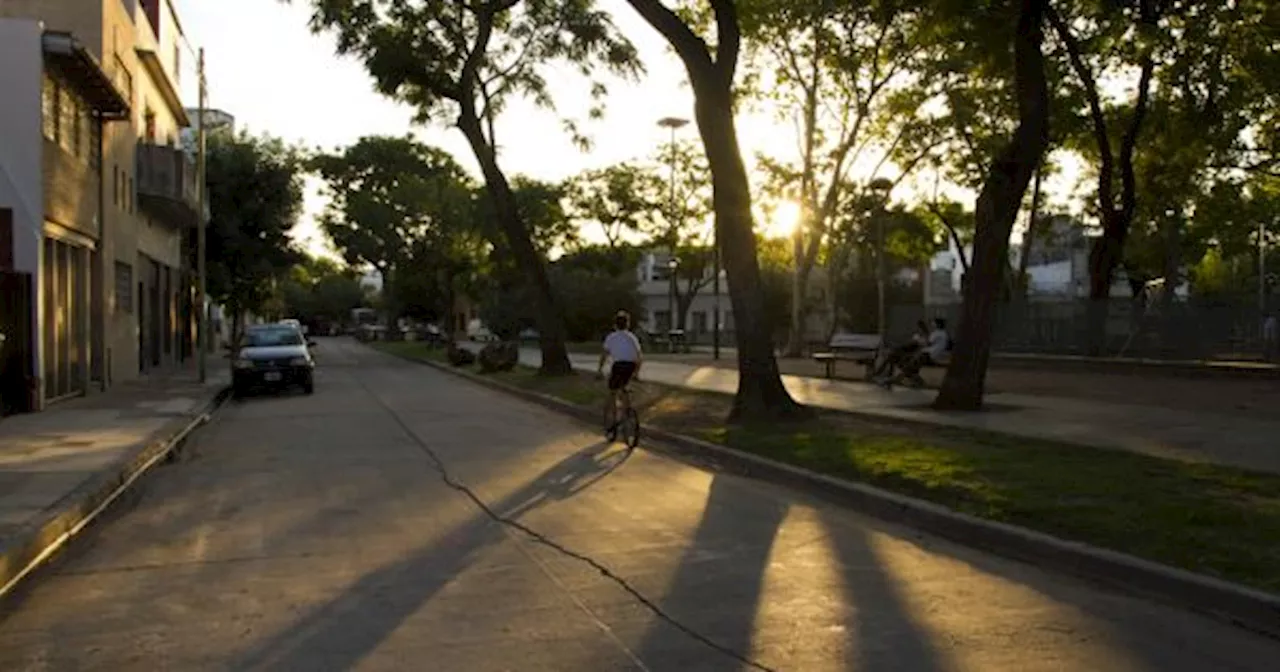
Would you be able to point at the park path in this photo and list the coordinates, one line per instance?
(1248, 442)
(314, 533)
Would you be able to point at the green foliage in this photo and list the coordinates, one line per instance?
(612, 260)
(592, 296)
(621, 199)
(451, 60)
(540, 204)
(385, 193)
(318, 290)
(255, 197)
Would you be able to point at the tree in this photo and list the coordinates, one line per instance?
(464, 61)
(255, 195)
(998, 205)
(1114, 36)
(320, 292)
(681, 222)
(593, 282)
(711, 71)
(839, 67)
(616, 198)
(387, 194)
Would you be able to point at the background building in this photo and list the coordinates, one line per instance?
(98, 191)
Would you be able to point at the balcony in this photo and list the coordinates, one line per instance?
(167, 184)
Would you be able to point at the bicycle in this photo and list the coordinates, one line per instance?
(629, 424)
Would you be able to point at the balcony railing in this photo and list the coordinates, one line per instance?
(167, 183)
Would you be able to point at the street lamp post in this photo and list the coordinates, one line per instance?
(881, 188)
(673, 264)
(715, 293)
(202, 322)
(673, 124)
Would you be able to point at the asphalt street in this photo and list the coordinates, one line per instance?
(319, 533)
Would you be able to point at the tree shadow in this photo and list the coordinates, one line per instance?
(716, 587)
(886, 636)
(1144, 634)
(352, 625)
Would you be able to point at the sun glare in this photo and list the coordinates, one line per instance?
(786, 216)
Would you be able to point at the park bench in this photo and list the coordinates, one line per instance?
(863, 349)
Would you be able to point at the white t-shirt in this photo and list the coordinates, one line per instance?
(622, 346)
(938, 342)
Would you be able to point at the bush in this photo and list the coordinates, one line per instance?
(499, 357)
(460, 356)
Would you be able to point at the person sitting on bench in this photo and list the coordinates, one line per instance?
(939, 345)
(899, 355)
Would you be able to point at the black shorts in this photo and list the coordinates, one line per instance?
(620, 374)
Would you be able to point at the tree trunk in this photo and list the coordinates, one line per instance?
(551, 328)
(1033, 223)
(1104, 257)
(996, 210)
(761, 395)
(799, 314)
(760, 391)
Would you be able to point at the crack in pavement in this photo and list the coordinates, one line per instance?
(449, 480)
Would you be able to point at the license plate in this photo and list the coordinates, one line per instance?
(272, 376)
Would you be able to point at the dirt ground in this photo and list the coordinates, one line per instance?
(1244, 396)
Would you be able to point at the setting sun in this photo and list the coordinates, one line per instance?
(783, 220)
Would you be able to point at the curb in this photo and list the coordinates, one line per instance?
(1231, 602)
(38, 540)
(1201, 369)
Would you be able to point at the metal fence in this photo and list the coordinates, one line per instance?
(1186, 329)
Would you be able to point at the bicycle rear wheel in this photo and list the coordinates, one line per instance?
(630, 428)
(610, 428)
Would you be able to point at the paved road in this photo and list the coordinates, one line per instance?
(1175, 434)
(314, 533)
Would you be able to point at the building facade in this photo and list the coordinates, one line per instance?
(99, 191)
(661, 300)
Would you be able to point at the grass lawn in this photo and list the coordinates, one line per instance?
(1212, 519)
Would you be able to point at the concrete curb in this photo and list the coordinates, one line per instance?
(1231, 602)
(1203, 369)
(38, 540)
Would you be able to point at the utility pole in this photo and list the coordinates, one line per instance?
(202, 321)
(1262, 267)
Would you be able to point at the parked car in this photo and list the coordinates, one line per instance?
(273, 356)
(293, 322)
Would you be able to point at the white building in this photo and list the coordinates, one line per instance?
(653, 277)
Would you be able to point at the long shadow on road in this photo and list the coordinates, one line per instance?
(716, 587)
(349, 627)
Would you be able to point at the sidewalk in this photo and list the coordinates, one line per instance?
(56, 466)
(1251, 443)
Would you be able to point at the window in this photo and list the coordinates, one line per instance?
(149, 122)
(49, 107)
(124, 287)
(77, 129)
(662, 321)
(177, 65)
(273, 336)
(67, 113)
(115, 185)
(700, 322)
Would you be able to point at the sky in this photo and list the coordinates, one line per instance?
(265, 67)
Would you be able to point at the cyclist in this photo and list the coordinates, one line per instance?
(623, 348)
